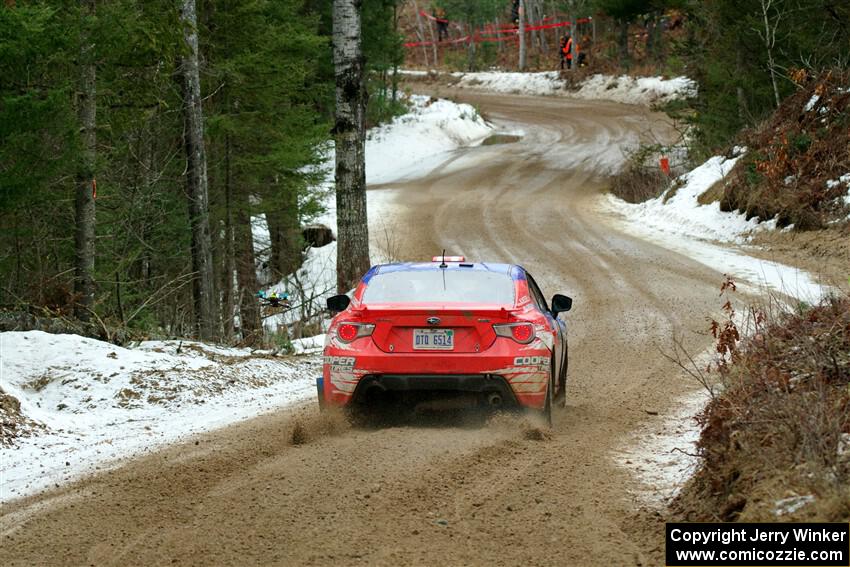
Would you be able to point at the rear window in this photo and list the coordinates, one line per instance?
(441, 286)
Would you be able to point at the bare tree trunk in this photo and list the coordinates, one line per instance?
(544, 44)
(470, 49)
(624, 41)
(420, 32)
(433, 43)
(349, 138)
(246, 271)
(521, 32)
(556, 32)
(574, 34)
(285, 236)
(769, 38)
(229, 267)
(500, 45)
(84, 208)
(743, 111)
(203, 285)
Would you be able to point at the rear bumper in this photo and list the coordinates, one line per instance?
(488, 390)
(520, 373)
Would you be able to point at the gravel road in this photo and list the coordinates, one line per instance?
(447, 491)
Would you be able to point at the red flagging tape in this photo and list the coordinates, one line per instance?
(511, 32)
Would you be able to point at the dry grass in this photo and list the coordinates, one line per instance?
(713, 193)
(794, 154)
(638, 183)
(780, 429)
(13, 423)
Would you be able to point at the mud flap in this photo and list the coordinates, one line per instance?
(320, 387)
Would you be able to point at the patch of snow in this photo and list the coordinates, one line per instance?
(413, 73)
(640, 90)
(309, 345)
(682, 214)
(262, 242)
(308, 288)
(626, 89)
(843, 449)
(662, 455)
(791, 504)
(101, 402)
(415, 142)
(811, 104)
(545, 83)
(843, 180)
(683, 225)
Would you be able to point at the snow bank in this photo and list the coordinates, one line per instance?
(546, 83)
(626, 89)
(100, 402)
(678, 211)
(640, 90)
(842, 180)
(685, 226)
(414, 143)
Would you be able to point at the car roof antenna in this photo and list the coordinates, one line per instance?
(443, 263)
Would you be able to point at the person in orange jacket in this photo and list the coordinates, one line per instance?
(567, 51)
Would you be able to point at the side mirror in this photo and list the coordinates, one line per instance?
(338, 303)
(561, 303)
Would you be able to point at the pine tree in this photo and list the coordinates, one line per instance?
(206, 309)
(84, 246)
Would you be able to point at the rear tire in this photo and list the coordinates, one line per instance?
(561, 399)
(546, 412)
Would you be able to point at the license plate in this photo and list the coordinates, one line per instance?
(433, 339)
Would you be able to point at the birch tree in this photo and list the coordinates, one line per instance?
(203, 288)
(349, 138)
(768, 36)
(84, 238)
(521, 32)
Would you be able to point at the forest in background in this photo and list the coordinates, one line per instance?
(266, 86)
(94, 102)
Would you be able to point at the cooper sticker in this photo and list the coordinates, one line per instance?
(531, 361)
(340, 363)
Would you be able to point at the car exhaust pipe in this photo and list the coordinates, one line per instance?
(374, 394)
(494, 400)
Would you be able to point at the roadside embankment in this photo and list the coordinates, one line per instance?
(775, 441)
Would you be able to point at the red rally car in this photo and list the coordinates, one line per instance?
(481, 331)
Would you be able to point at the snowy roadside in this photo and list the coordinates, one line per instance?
(95, 403)
(89, 404)
(661, 455)
(677, 221)
(623, 88)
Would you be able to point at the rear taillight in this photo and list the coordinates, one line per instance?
(347, 332)
(522, 333)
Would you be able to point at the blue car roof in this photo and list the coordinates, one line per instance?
(512, 270)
